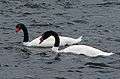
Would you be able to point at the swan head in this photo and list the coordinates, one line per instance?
(19, 27)
(22, 27)
(43, 37)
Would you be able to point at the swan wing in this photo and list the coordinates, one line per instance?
(86, 50)
(68, 40)
(34, 42)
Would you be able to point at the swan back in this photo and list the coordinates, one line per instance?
(86, 50)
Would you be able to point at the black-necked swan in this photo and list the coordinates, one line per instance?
(76, 49)
(49, 42)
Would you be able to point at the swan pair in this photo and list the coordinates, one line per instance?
(51, 38)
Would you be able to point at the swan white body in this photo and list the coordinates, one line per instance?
(83, 49)
(49, 42)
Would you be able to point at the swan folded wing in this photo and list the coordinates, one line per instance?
(68, 40)
(86, 50)
(34, 42)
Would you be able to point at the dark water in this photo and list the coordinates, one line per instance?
(97, 20)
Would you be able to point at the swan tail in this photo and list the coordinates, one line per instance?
(80, 38)
(107, 54)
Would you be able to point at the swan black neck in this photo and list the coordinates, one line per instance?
(52, 33)
(26, 37)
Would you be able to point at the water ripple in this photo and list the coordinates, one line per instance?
(96, 65)
(60, 78)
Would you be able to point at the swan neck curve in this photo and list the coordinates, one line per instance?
(26, 37)
(57, 40)
(55, 35)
